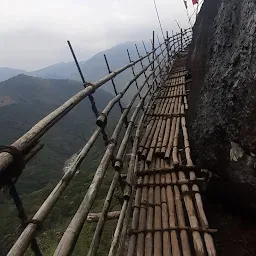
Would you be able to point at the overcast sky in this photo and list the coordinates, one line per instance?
(34, 32)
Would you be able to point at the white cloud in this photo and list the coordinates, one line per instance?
(34, 32)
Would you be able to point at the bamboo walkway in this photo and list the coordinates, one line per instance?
(168, 216)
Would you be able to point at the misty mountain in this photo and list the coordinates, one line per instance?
(95, 68)
(6, 73)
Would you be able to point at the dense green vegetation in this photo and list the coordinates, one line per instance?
(32, 98)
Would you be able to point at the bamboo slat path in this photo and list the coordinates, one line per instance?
(162, 211)
(167, 215)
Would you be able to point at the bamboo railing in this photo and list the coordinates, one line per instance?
(156, 73)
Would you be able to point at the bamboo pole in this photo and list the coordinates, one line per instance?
(167, 110)
(132, 241)
(176, 136)
(94, 217)
(186, 141)
(181, 219)
(99, 229)
(134, 158)
(173, 127)
(157, 214)
(129, 173)
(148, 130)
(202, 217)
(175, 143)
(142, 218)
(150, 216)
(165, 219)
(152, 132)
(149, 151)
(184, 92)
(172, 217)
(135, 216)
(168, 124)
(127, 135)
(197, 240)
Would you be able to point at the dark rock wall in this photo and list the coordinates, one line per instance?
(222, 61)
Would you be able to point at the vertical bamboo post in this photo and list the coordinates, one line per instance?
(197, 240)
(153, 57)
(150, 217)
(158, 218)
(202, 217)
(165, 222)
(167, 46)
(181, 39)
(181, 218)
(135, 216)
(172, 216)
(186, 141)
(133, 72)
(142, 218)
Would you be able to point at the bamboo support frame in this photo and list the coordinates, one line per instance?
(132, 171)
(161, 198)
(70, 236)
(99, 228)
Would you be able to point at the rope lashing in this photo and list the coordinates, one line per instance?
(8, 179)
(15, 169)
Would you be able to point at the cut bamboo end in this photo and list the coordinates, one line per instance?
(101, 121)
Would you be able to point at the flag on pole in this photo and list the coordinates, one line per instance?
(186, 4)
(195, 2)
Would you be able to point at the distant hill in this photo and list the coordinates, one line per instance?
(6, 73)
(95, 67)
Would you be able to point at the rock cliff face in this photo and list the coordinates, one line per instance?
(222, 61)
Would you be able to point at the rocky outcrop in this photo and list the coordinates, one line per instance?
(222, 61)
